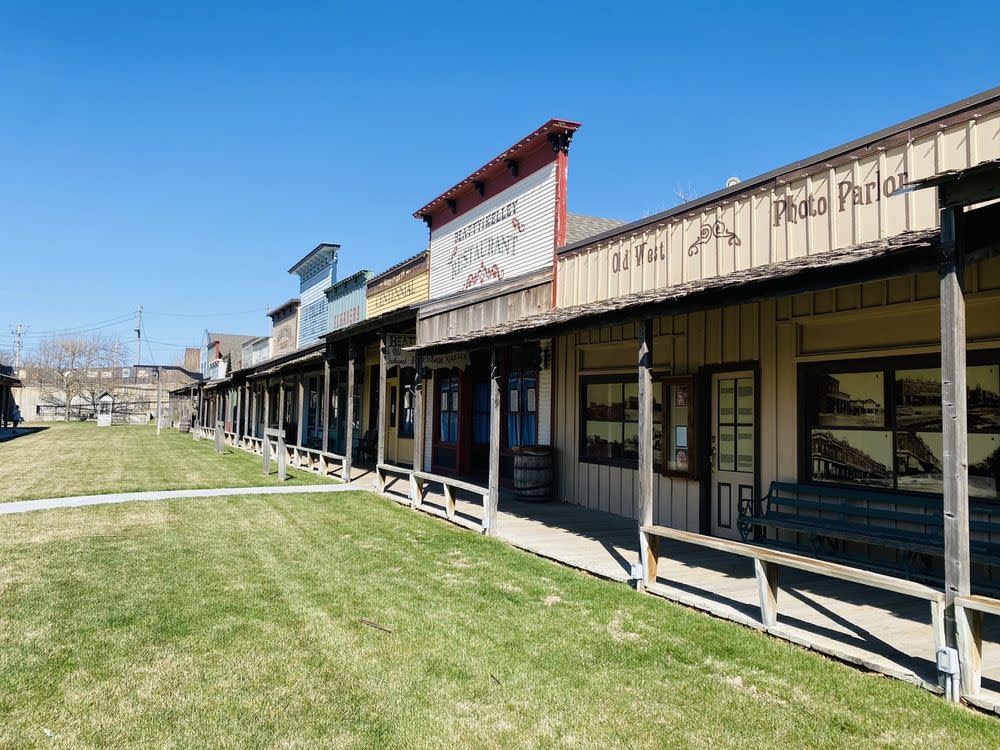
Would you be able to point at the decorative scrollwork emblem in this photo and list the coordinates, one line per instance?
(710, 231)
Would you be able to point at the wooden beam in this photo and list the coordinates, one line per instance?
(237, 423)
(416, 484)
(326, 405)
(382, 420)
(647, 546)
(767, 590)
(954, 438)
(493, 496)
(300, 395)
(349, 416)
(281, 407)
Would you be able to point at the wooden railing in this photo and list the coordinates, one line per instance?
(969, 611)
(768, 561)
(416, 481)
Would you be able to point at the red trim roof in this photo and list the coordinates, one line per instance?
(552, 126)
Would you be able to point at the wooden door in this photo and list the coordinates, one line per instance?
(732, 448)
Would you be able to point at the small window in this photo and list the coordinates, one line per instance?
(679, 445)
(448, 408)
(522, 408)
(406, 407)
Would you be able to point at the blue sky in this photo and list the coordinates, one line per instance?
(182, 156)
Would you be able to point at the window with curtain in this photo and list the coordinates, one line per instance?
(522, 408)
(406, 408)
(448, 408)
(481, 413)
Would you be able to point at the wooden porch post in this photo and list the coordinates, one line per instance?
(416, 484)
(647, 542)
(493, 496)
(349, 417)
(326, 405)
(281, 406)
(300, 420)
(955, 445)
(267, 406)
(238, 423)
(380, 451)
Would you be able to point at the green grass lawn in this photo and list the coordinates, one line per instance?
(80, 458)
(236, 622)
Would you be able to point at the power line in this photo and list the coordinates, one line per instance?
(82, 329)
(207, 315)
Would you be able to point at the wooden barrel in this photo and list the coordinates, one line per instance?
(185, 424)
(533, 473)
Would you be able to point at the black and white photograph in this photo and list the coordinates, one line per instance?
(861, 457)
(855, 399)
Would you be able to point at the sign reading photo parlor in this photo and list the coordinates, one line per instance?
(509, 235)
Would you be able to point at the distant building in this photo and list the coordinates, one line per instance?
(284, 328)
(221, 353)
(317, 271)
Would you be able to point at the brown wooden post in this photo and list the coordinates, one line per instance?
(954, 437)
(301, 416)
(416, 484)
(493, 496)
(349, 417)
(267, 409)
(647, 542)
(382, 421)
(767, 590)
(237, 426)
(326, 405)
(280, 424)
(954, 433)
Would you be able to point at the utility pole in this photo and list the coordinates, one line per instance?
(18, 332)
(159, 400)
(138, 336)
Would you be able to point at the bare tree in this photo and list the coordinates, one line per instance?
(6, 358)
(73, 371)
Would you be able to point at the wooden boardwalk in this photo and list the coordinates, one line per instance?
(873, 629)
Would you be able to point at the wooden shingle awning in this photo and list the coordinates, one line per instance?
(893, 256)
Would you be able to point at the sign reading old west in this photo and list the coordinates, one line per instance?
(510, 234)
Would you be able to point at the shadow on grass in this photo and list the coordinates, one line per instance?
(9, 433)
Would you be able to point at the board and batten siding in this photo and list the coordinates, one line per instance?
(842, 202)
(347, 301)
(509, 235)
(893, 317)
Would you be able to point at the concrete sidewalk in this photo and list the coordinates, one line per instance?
(77, 501)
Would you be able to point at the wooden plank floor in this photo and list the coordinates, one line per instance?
(874, 629)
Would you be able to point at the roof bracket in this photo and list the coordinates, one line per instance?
(560, 141)
(480, 187)
(452, 205)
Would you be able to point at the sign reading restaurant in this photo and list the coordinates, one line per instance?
(508, 235)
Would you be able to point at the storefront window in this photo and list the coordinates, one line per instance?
(610, 420)
(448, 408)
(880, 426)
(481, 413)
(522, 408)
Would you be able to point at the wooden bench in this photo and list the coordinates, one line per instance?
(368, 445)
(832, 515)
